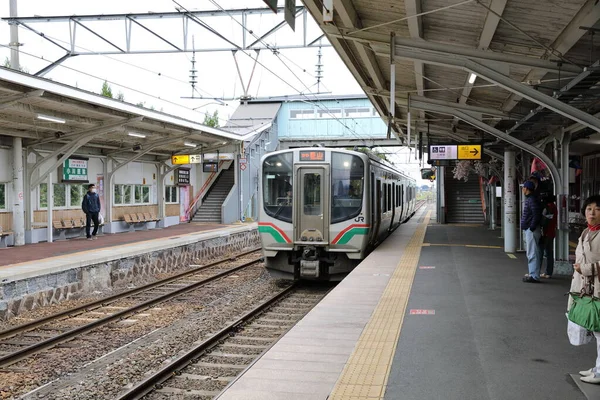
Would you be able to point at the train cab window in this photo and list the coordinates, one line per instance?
(347, 186)
(277, 186)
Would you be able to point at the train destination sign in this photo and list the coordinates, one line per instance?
(455, 152)
(312, 155)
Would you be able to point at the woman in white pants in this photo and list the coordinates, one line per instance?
(587, 265)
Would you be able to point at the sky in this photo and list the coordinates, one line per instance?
(162, 80)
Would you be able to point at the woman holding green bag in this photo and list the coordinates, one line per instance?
(587, 269)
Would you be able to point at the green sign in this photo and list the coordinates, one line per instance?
(74, 170)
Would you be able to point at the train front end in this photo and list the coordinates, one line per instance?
(313, 221)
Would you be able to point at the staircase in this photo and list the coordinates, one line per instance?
(210, 210)
(463, 200)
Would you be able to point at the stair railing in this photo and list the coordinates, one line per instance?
(192, 207)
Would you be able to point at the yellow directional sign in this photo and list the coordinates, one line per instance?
(469, 152)
(180, 159)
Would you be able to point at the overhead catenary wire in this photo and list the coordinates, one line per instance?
(273, 49)
(104, 80)
(277, 54)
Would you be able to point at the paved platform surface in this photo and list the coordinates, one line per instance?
(45, 258)
(38, 251)
(449, 319)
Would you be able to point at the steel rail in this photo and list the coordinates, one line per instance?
(109, 300)
(51, 342)
(167, 372)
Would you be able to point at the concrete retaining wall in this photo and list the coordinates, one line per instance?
(28, 294)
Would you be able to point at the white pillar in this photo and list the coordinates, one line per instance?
(14, 37)
(18, 225)
(562, 265)
(510, 206)
(50, 199)
(160, 196)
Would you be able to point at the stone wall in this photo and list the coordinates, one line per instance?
(31, 293)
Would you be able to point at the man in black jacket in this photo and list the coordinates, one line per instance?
(91, 207)
(531, 225)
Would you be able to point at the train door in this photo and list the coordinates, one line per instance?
(311, 205)
(377, 207)
(393, 205)
(401, 203)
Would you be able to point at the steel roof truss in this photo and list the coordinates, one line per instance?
(10, 100)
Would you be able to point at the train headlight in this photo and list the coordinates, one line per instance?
(311, 239)
(303, 238)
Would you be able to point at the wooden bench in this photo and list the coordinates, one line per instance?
(61, 228)
(3, 235)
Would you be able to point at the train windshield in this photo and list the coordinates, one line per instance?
(277, 186)
(347, 185)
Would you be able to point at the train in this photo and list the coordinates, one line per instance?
(322, 210)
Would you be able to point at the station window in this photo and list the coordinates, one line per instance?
(76, 193)
(330, 113)
(357, 112)
(171, 194)
(59, 193)
(3, 197)
(302, 114)
(131, 194)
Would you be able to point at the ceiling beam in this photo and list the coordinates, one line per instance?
(8, 101)
(415, 28)
(452, 51)
(588, 15)
(487, 33)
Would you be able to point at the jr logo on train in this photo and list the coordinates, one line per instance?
(323, 210)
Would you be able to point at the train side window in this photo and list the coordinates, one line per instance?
(278, 186)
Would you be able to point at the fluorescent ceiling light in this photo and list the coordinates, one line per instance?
(189, 144)
(472, 78)
(134, 134)
(51, 119)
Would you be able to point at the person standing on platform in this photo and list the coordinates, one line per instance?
(586, 267)
(91, 207)
(549, 219)
(530, 224)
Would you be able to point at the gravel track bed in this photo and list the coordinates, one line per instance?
(194, 319)
(43, 367)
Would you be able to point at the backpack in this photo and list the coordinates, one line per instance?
(546, 218)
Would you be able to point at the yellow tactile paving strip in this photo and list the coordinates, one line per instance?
(366, 373)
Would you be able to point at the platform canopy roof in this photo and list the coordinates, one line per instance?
(526, 68)
(49, 114)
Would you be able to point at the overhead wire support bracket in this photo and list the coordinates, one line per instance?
(392, 112)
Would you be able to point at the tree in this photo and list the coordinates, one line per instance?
(106, 90)
(120, 96)
(211, 120)
(7, 65)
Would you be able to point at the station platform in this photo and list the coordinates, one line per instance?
(435, 312)
(45, 273)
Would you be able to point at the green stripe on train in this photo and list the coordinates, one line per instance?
(269, 229)
(354, 231)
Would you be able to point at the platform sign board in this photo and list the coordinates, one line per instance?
(218, 156)
(443, 152)
(182, 176)
(272, 4)
(181, 159)
(455, 152)
(290, 13)
(469, 152)
(74, 170)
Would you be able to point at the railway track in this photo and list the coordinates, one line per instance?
(207, 368)
(28, 339)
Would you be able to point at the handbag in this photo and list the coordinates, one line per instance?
(585, 311)
(577, 334)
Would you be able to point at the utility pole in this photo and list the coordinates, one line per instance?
(18, 225)
(319, 70)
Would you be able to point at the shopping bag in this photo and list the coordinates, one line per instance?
(100, 219)
(585, 311)
(578, 335)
